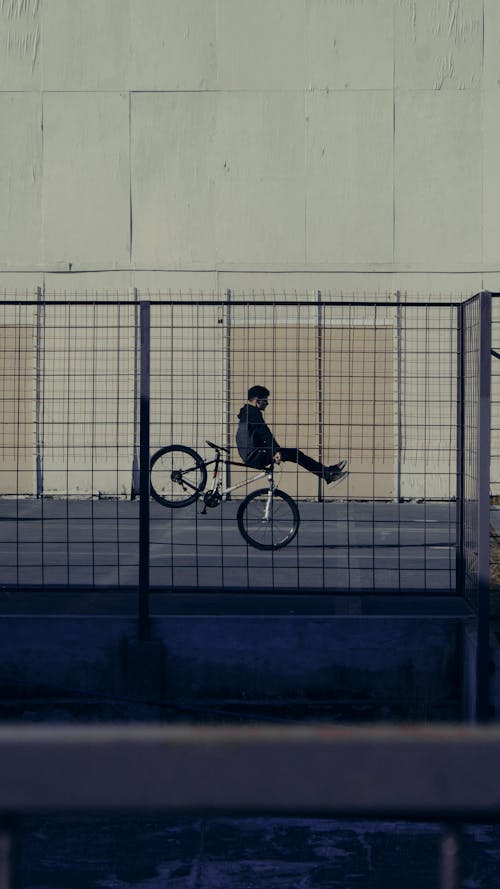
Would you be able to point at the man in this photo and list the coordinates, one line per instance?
(258, 448)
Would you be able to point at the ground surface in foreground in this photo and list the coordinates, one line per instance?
(339, 546)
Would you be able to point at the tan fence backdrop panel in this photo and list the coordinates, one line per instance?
(350, 413)
(285, 360)
(359, 407)
(18, 399)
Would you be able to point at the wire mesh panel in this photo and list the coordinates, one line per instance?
(374, 384)
(18, 399)
(67, 447)
(371, 383)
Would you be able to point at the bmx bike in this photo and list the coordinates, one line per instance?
(267, 518)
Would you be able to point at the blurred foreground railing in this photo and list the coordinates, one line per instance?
(441, 773)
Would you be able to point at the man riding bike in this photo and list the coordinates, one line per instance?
(258, 448)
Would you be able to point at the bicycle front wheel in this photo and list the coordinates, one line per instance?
(177, 476)
(268, 520)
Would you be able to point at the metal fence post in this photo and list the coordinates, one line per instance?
(135, 482)
(144, 448)
(40, 322)
(483, 519)
(460, 555)
(228, 386)
(319, 345)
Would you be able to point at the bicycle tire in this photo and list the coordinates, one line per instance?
(183, 462)
(268, 534)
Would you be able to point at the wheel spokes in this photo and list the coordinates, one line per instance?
(273, 529)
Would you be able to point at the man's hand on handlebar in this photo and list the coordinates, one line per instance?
(277, 458)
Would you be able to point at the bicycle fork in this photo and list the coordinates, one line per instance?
(269, 507)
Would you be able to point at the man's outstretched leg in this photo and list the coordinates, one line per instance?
(328, 473)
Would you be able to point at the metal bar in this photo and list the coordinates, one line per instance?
(218, 302)
(135, 480)
(38, 394)
(399, 346)
(460, 555)
(484, 449)
(320, 391)
(450, 870)
(228, 388)
(144, 449)
(380, 772)
(282, 593)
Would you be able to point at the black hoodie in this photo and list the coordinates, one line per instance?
(253, 433)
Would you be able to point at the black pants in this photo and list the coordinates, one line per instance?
(262, 457)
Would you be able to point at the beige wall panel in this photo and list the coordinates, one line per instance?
(86, 179)
(491, 282)
(260, 45)
(438, 179)
(306, 284)
(177, 285)
(491, 74)
(172, 179)
(20, 44)
(86, 285)
(349, 45)
(23, 286)
(85, 45)
(260, 178)
(438, 44)
(172, 44)
(349, 177)
(261, 221)
(20, 179)
(260, 135)
(79, 286)
(440, 287)
(491, 188)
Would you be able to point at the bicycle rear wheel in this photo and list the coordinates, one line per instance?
(178, 475)
(268, 526)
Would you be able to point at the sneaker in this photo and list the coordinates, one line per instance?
(332, 473)
(339, 467)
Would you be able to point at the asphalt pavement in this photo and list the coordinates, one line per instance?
(340, 547)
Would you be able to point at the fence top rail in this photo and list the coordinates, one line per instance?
(232, 303)
(416, 772)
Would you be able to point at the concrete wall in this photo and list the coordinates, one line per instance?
(205, 144)
(343, 667)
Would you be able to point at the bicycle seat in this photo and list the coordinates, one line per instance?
(216, 447)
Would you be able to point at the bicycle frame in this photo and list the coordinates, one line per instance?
(225, 491)
(267, 518)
